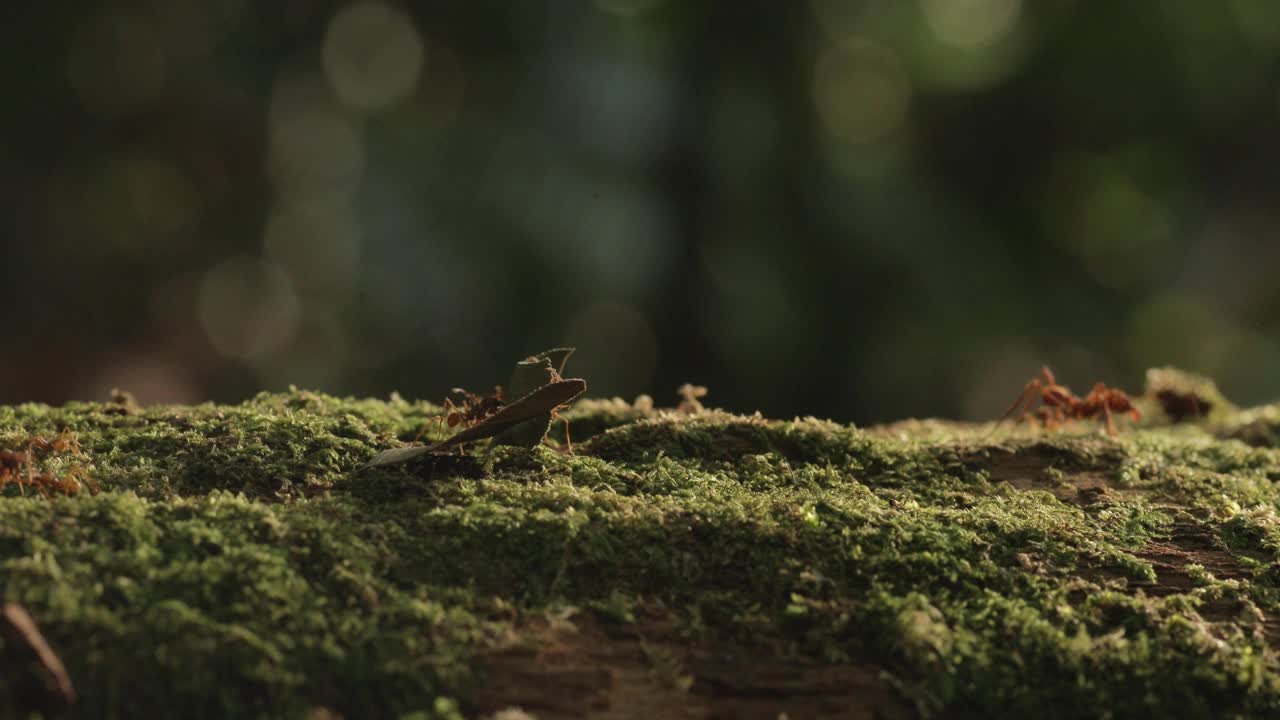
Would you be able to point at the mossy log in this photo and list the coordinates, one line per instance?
(241, 561)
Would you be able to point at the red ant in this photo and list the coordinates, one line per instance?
(13, 462)
(65, 442)
(1056, 401)
(1058, 404)
(68, 485)
(1105, 400)
(473, 410)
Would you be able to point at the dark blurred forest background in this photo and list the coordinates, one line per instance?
(858, 210)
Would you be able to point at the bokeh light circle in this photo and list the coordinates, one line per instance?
(372, 55)
(861, 91)
(315, 147)
(248, 308)
(970, 23)
(319, 243)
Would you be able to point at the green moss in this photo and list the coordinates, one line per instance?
(237, 607)
(1172, 395)
(244, 561)
(1258, 426)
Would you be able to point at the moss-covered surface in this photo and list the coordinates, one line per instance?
(240, 562)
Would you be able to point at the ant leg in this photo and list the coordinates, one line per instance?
(1025, 399)
(66, 441)
(1111, 426)
(71, 484)
(1048, 375)
(442, 417)
(567, 440)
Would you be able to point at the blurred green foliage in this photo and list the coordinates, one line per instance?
(864, 210)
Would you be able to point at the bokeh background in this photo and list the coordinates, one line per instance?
(859, 210)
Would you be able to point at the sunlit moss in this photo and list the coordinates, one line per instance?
(245, 561)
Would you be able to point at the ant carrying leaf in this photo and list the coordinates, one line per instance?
(540, 391)
(529, 375)
(538, 405)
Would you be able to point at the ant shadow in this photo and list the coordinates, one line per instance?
(424, 477)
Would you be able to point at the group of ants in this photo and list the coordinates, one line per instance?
(1043, 401)
(19, 466)
(1057, 405)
